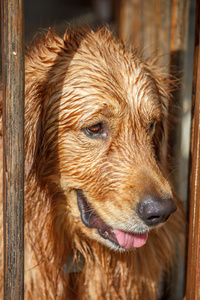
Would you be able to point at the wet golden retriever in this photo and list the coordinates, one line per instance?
(97, 198)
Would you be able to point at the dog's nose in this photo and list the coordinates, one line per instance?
(155, 211)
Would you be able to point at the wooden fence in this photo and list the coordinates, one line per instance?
(13, 146)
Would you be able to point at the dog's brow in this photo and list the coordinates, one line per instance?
(98, 114)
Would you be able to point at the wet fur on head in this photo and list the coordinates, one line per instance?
(94, 114)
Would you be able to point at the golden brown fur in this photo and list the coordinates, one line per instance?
(72, 83)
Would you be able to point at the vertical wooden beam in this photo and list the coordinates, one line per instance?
(13, 157)
(178, 47)
(193, 266)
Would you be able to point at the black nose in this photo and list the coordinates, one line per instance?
(155, 211)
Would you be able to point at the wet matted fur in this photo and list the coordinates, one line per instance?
(94, 114)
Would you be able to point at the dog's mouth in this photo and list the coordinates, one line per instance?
(91, 219)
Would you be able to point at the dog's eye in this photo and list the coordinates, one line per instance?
(152, 125)
(94, 130)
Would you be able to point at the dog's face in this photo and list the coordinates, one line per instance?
(110, 115)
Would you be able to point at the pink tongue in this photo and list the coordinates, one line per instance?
(129, 240)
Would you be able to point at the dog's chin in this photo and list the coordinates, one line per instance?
(114, 238)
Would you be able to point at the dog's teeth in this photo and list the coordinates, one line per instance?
(106, 233)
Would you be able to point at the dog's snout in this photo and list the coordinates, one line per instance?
(155, 211)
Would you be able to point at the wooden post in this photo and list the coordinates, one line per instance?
(13, 157)
(178, 47)
(193, 266)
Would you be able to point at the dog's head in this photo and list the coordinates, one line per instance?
(99, 135)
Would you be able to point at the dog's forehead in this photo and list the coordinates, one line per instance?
(114, 102)
(104, 79)
(103, 70)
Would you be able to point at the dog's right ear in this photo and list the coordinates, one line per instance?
(46, 66)
(40, 69)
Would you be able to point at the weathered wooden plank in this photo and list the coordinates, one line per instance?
(193, 265)
(178, 47)
(13, 159)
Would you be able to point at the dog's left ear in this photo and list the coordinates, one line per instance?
(164, 85)
(160, 137)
